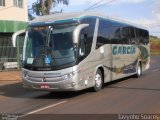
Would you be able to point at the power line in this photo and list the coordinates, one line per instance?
(93, 5)
(102, 4)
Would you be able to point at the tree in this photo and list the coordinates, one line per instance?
(43, 7)
(30, 14)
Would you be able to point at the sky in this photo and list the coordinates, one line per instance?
(141, 12)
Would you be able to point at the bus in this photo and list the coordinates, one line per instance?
(76, 51)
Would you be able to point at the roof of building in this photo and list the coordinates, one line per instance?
(12, 26)
(75, 15)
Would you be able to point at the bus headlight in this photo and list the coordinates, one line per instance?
(69, 75)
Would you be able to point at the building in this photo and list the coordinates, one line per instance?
(13, 17)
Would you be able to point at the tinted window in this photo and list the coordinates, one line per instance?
(18, 3)
(115, 29)
(2, 2)
(103, 33)
(142, 36)
(132, 36)
(128, 35)
(137, 32)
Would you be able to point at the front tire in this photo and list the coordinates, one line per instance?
(98, 81)
(138, 70)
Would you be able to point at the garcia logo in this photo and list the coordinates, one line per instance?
(119, 50)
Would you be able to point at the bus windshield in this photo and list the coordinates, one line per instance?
(49, 47)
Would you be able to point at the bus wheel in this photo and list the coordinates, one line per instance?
(98, 81)
(138, 70)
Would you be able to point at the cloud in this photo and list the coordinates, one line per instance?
(131, 1)
(119, 2)
(156, 9)
(153, 25)
(78, 2)
(156, 14)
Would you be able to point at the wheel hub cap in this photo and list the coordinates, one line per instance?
(98, 80)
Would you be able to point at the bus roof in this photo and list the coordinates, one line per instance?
(75, 16)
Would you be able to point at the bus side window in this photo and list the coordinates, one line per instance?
(116, 35)
(83, 45)
(103, 33)
(133, 40)
(128, 35)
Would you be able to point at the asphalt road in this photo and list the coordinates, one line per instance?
(127, 96)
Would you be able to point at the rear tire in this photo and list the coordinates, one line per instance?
(98, 81)
(138, 70)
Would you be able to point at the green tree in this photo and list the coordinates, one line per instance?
(43, 7)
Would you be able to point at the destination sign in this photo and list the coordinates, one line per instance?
(39, 28)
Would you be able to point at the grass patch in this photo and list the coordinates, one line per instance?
(155, 51)
(155, 45)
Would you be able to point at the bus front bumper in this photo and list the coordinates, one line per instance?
(64, 85)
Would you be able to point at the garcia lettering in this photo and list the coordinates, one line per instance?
(119, 50)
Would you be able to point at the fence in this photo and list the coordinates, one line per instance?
(9, 56)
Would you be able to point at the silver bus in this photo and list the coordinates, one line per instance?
(75, 51)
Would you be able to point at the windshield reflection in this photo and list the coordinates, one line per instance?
(49, 46)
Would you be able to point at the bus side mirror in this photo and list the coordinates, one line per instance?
(14, 36)
(81, 52)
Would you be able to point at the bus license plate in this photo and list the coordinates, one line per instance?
(44, 86)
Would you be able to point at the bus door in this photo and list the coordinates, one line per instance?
(85, 41)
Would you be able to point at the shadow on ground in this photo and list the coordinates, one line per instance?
(16, 90)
